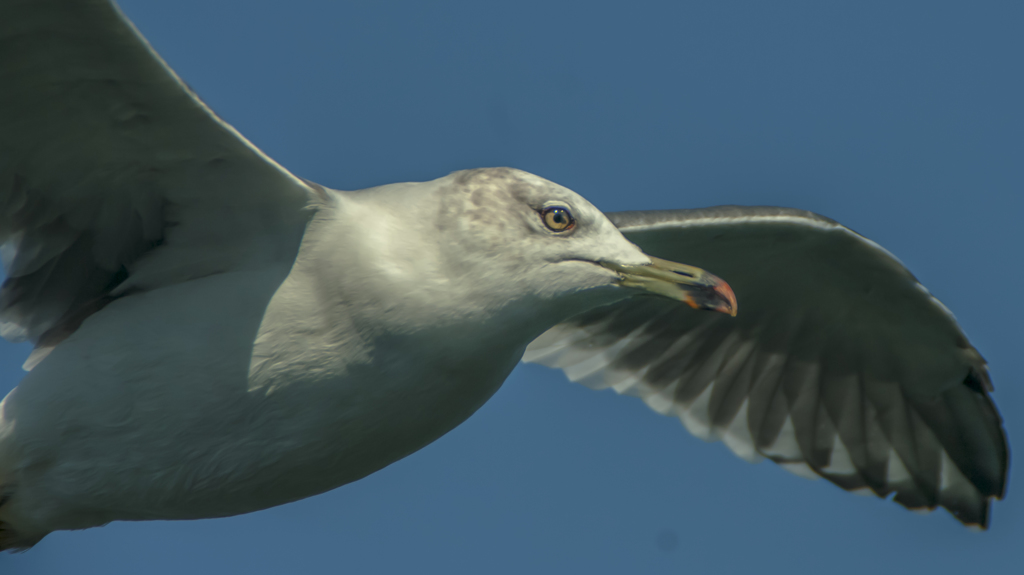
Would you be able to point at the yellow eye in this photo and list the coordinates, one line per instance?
(558, 219)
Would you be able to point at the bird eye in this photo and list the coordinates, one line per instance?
(558, 219)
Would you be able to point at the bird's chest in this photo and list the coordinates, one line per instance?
(330, 419)
(350, 373)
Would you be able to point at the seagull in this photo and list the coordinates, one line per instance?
(214, 335)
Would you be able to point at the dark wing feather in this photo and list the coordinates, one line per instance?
(114, 177)
(839, 363)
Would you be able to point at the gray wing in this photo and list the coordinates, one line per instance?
(114, 176)
(839, 363)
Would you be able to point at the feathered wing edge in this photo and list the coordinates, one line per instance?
(114, 176)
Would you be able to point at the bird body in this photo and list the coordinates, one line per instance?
(238, 391)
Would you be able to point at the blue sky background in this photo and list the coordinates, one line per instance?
(901, 120)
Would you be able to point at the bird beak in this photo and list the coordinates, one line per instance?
(696, 287)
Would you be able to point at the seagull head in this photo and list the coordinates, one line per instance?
(515, 229)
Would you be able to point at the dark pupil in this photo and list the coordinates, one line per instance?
(559, 217)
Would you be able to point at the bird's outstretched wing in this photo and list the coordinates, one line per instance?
(114, 176)
(839, 363)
